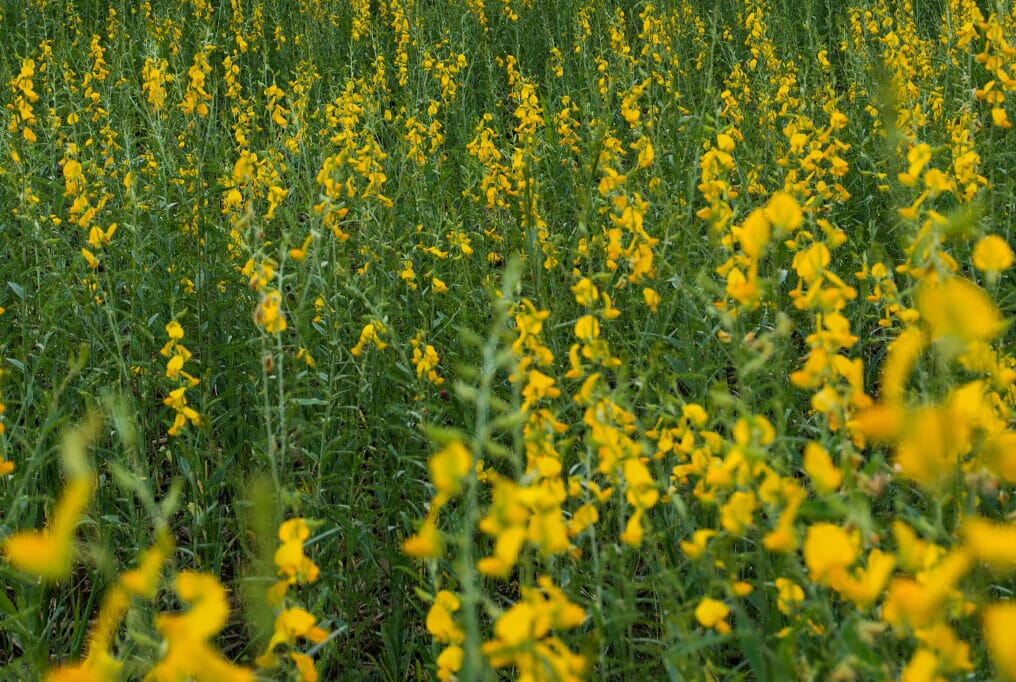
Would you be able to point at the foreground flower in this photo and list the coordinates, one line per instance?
(189, 655)
(99, 664)
(48, 553)
(999, 626)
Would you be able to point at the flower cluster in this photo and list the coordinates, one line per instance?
(292, 622)
(177, 355)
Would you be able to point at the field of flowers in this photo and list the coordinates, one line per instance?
(507, 339)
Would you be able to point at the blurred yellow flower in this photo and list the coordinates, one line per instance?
(790, 595)
(755, 232)
(999, 622)
(711, 613)
(820, 468)
(426, 544)
(990, 542)
(268, 315)
(449, 468)
(652, 299)
(48, 553)
(188, 653)
(440, 623)
(586, 293)
(992, 254)
(958, 308)
(697, 546)
(828, 550)
(291, 624)
(449, 661)
(783, 212)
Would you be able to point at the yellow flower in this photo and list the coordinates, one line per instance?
(292, 564)
(291, 624)
(880, 423)
(992, 543)
(790, 595)
(174, 366)
(426, 544)
(866, 586)
(699, 541)
(711, 613)
(583, 517)
(828, 550)
(922, 667)
(918, 603)
(737, 514)
(437, 286)
(538, 386)
(587, 328)
(953, 654)
(449, 662)
(784, 212)
(268, 315)
(523, 635)
(999, 118)
(439, 619)
(586, 293)
(189, 656)
(143, 581)
(958, 308)
(821, 469)
(992, 254)
(449, 468)
(90, 258)
(506, 552)
(755, 233)
(633, 531)
(408, 275)
(652, 298)
(48, 553)
(999, 622)
(918, 157)
(370, 335)
(304, 666)
(609, 311)
(299, 253)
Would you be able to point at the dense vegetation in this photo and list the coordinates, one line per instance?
(416, 339)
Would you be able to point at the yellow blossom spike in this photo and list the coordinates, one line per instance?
(188, 653)
(292, 564)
